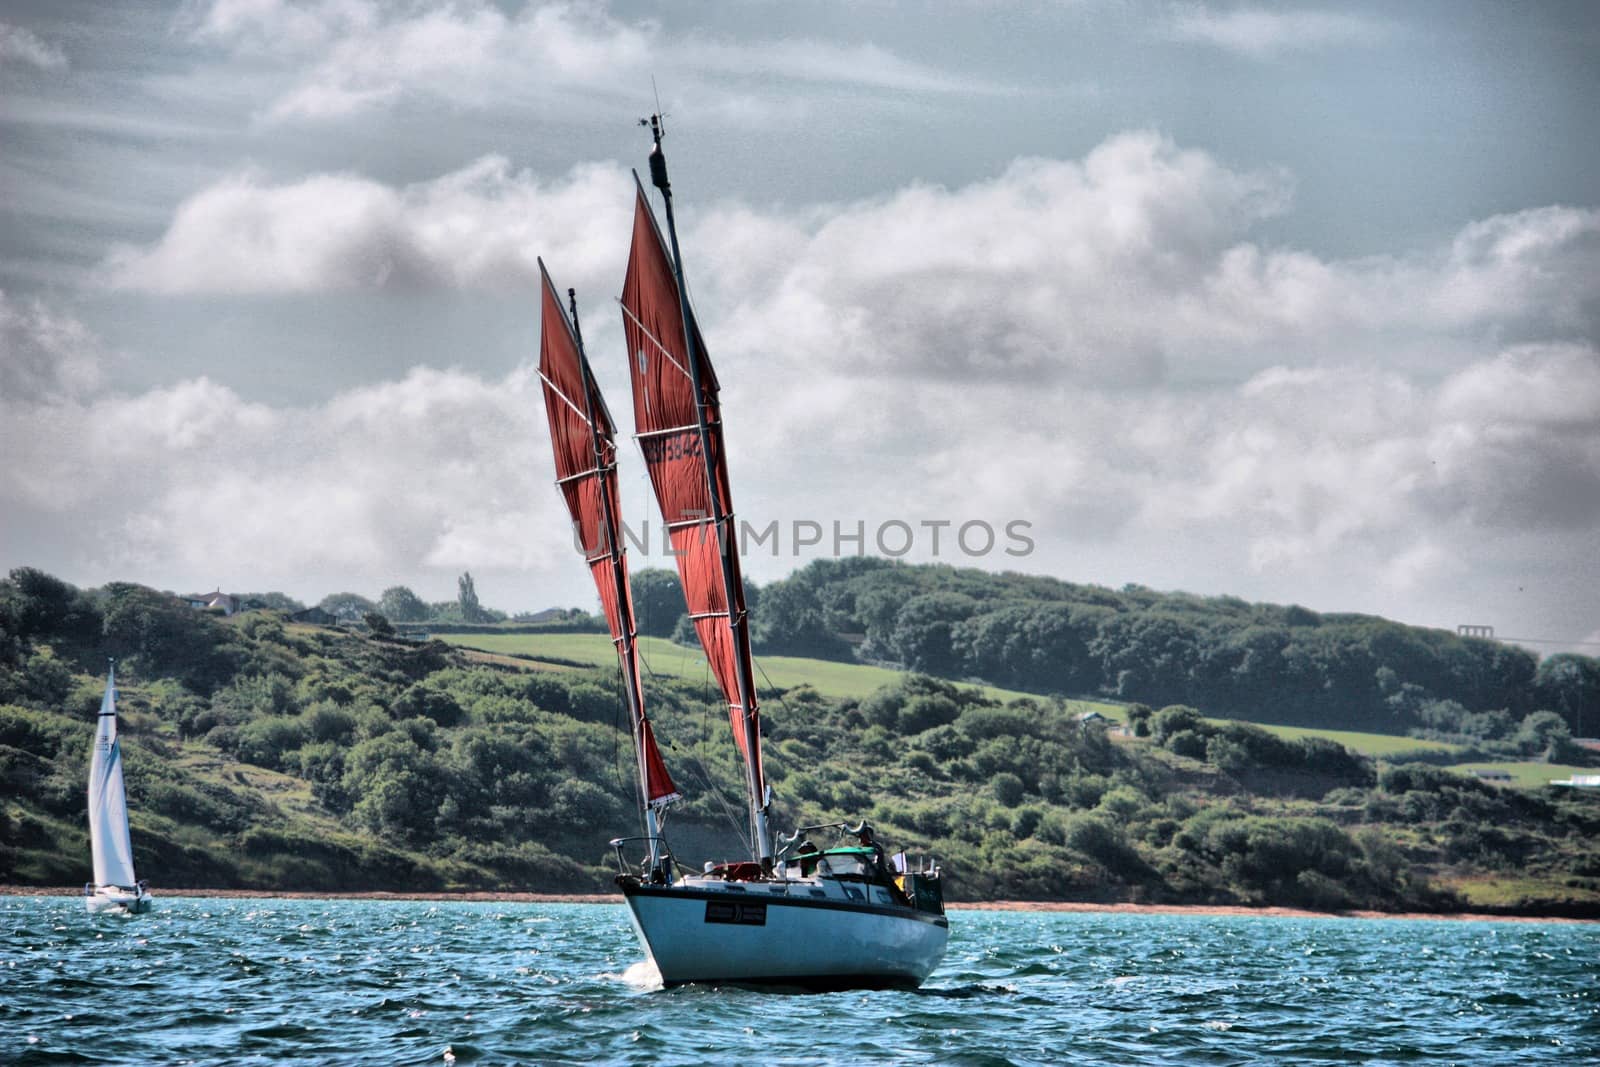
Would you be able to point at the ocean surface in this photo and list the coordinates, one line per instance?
(395, 982)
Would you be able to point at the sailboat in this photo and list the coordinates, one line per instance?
(837, 916)
(115, 887)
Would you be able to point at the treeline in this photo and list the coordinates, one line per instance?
(260, 754)
(1228, 657)
(399, 604)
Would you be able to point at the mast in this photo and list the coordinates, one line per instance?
(737, 624)
(587, 470)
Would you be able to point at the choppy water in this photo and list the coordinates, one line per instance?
(389, 982)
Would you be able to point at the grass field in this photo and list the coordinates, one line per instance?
(1514, 891)
(1381, 746)
(662, 657)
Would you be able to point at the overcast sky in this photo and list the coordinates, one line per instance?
(1294, 302)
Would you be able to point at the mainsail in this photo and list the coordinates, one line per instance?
(678, 421)
(582, 438)
(108, 801)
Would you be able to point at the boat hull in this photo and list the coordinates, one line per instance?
(118, 901)
(755, 937)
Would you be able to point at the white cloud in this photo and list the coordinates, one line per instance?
(349, 56)
(1034, 346)
(44, 356)
(482, 226)
(281, 26)
(1393, 484)
(1131, 266)
(20, 45)
(1259, 32)
(426, 475)
(1298, 475)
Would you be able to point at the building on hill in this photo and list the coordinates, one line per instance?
(315, 616)
(1579, 781)
(206, 601)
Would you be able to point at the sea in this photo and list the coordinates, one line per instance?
(274, 981)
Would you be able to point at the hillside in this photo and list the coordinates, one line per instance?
(1262, 662)
(270, 755)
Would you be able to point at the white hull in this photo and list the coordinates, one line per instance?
(110, 898)
(778, 933)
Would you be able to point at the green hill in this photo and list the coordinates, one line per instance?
(264, 754)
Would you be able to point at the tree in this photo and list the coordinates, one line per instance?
(347, 607)
(1570, 686)
(159, 634)
(788, 620)
(42, 605)
(378, 624)
(273, 601)
(467, 597)
(1544, 733)
(657, 602)
(400, 604)
(924, 629)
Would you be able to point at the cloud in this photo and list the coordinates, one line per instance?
(190, 482)
(482, 226)
(23, 46)
(1300, 474)
(1260, 33)
(44, 356)
(1096, 346)
(1129, 267)
(349, 56)
(1350, 475)
(281, 26)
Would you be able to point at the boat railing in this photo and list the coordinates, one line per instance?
(656, 865)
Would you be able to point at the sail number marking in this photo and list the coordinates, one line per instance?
(670, 446)
(736, 912)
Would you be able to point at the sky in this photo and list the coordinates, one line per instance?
(1293, 302)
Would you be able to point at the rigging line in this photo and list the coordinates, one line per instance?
(772, 686)
(705, 772)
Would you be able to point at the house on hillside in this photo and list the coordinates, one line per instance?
(315, 616)
(206, 601)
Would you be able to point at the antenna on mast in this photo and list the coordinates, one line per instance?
(658, 130)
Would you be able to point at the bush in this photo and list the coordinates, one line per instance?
(925, 712)
(1008, 789)
(1175, 719)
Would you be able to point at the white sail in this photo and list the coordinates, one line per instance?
(108, 802)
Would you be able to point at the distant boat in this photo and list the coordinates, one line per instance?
(840, 916)
(115, 887)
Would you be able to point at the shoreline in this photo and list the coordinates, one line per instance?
(1077, 907)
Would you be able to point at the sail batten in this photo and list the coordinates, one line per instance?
(583, 441)
(678, 424)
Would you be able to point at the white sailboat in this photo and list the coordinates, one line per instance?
(845, 916)
(115, 887)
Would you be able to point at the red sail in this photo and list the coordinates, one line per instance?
(581, 432)
(684, 465)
